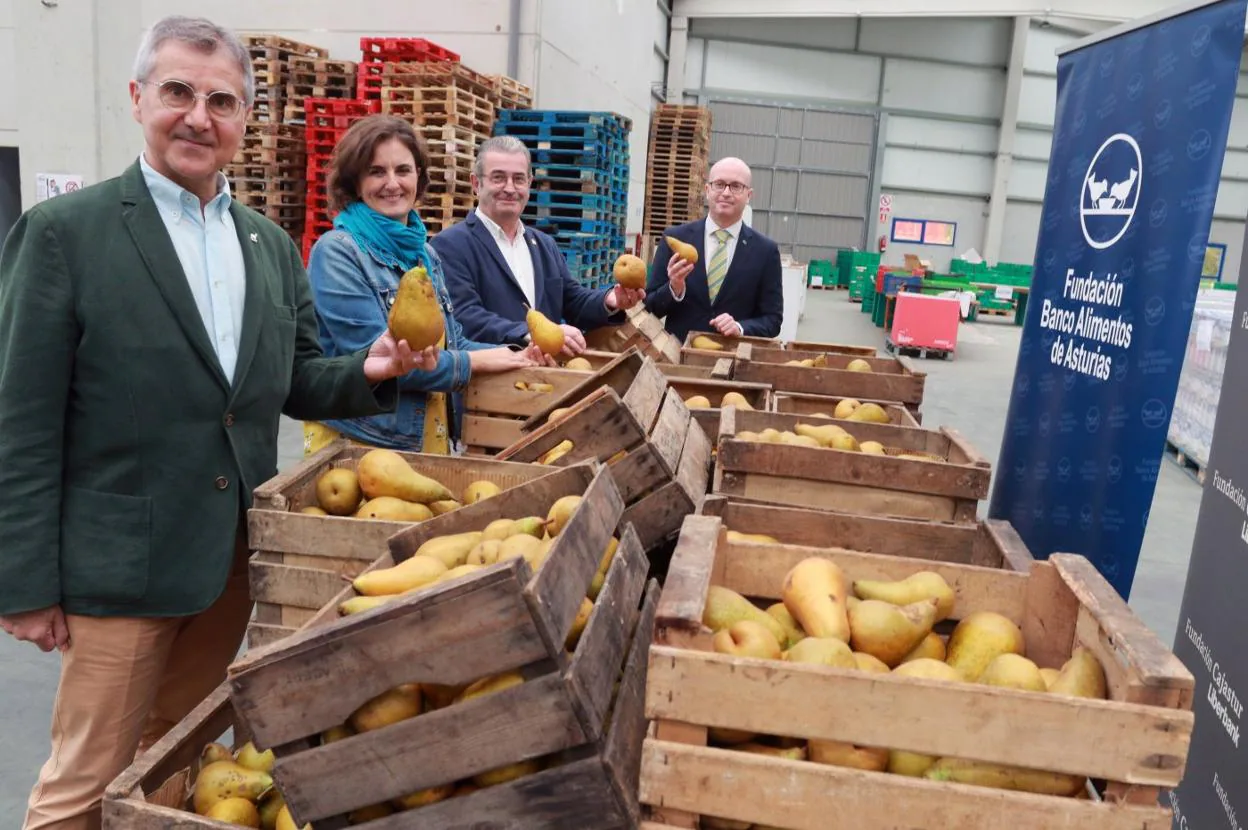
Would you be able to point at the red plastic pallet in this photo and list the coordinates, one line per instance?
(380, 49)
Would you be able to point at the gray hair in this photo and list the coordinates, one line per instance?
(200, 34)
(499, 144)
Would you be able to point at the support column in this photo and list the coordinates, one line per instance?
(677, 50)
(1005, 142)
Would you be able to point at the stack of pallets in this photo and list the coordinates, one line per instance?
(680, 145)
(317, 78)
(580, 183)
(271, 57)
(511, 94)
(376, 52)
(327, 121)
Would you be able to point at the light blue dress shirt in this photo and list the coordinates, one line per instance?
(212, 258)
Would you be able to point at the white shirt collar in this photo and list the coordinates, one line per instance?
(170, 196)
(496, 230)
(734, 228)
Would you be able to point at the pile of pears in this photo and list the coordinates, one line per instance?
(385, 486)
(237, 788)
(729, 399)
(887, 627)
(821, 362)
(828, 436)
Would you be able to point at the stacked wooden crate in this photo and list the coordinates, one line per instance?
(316, 78)
(680, 146)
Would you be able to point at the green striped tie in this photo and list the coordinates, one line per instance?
(718, 268)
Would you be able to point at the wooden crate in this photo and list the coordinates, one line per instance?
(891, 379)
(852, 482)
(299, 561)
(641, 330)
(626, 414)
(720, 370)
(494, 409)
(757, 394)
(501, 618)
(797, 404)
(1137, 741)
(693, 356)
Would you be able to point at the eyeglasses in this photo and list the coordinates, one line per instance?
(500, 179)
(180, 96)
(735, 188)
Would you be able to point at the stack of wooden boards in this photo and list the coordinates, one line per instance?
(680, 146)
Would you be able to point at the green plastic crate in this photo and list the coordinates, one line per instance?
(820, 272)
(848, 261)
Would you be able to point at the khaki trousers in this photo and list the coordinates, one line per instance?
(124, 683)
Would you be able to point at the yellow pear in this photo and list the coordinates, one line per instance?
(313, 510)
(1013, 671)
(845, 408)
(445, 506)
(413, 573)
(479, 491)
(629, 271)
(820, 415)
(252, 758)
(1081, 676)
(681, 249)
(498, 530)
(558, 414)
(858, 365)
(389, 707)
(735, 399)
(820, 361)
(824, 434)
(842, 754)
(793, 633)
(927, 668)
(438, 696)
(508, 773)
(619, 455)
(485, 553)
(698, 402)
(386, 473)
(394, 510)
(917, 586)
(1001, 777)
(751, 538)
(452, 550)
(822, 651)
(600, 578)
(844, 441)
(808, 362)
(358, 605)
(490, 685)
(870, 413)
(459, 571)
(794, 363)
(770, 434)
(336, 733)
(746, 435)
(890, 632)
(805, 441)
(979, 637)
(416, 315)
(547, 335)
(269, 807)
(338, 491)
(1050, 677)
(579, 364)
(465, 789)
(238, 811)
(578, 624)
(561, 513)
(541, 387)
(787, 753)
(227, 779)
(931, 647)
(520, 545)
(725, 607)
(909, 764)
(868, 663)
(706, 344)
(372, 812)
(432, 795)
(213, 752)
(556, 452)
(285, 822)
(814, 591)
(747, 638)
(872, 448)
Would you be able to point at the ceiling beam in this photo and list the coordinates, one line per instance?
(1108, 10)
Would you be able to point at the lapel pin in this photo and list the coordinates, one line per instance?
(255, 237)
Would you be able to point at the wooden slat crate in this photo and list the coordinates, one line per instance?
(299, 561)
(691, 355)
(626, 415)
(501, 618)
(1133, 744)
(494, 409)
(794, 403)
(720, 370)
(757, 395)
(642, 330)
(947, 490)
(891, 379)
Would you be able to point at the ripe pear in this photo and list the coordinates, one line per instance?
(751, 538)
(313, 510)
(386, 473)
(252, 758)
(227, 779)
(770, 435)
(485, 553)
(842, 754)
(746, 435)
(285, 822)
(823, 434)
(1081, 676)
(268, 808)
(844, 441)
(394, 510)
(872, 448)
(580, 364)
(805, 441)
(338, 491)
(451, 551)
(213, 752)
(556, 452)
(520, 545)
(917, 586)
(926, 668)
(490, 685)
(412, 573)
(497, 530)
(1013, 671)
(735, 399)
(814, 591)
(619, 455)
(534, 526)
(930, 647)
(458, 571)
(479, 491)
(416, 315)
(336, 733)
(1001, 777)
(432, 795)
(845, 408)
(1050, 677)
(870, 413)
(909, 764)
(372, 812)
(578, 624)
(389, 707)
(858, 365)
(557, 414)
(445, 506)
(681, 249)
(508, 773)
(547, 335)
(561, 513)
(822, 651)
(793, 633)
(747, 638)
(238, 811)
(698, 402)
(868, 663)
(438, 696)
(979, 637)
(706, 344)
(890, 632)
(787, 753)
(600, 578)
(725, 607)
(629, 271)
(541, 387)
(358, 605)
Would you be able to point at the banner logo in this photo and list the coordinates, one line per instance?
(1111, 191)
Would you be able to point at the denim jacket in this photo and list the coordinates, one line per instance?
(353, 292)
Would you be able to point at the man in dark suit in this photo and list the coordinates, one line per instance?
(152, 330)
(496, 268)
(734, 288)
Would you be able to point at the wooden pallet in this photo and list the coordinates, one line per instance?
(440, 74)
(1186, 462)
(502, 618)
(495, 409)
(794, 403)
(1133, 745)
(944, 490)
(286, 46)
(643, 331)
(921, 352)
(299, 561)
(626, 415)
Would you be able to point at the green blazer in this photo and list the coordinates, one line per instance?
(126, 457)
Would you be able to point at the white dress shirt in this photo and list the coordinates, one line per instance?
(516, 254)
(207, 245)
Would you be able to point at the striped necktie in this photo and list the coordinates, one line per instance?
(718, 269)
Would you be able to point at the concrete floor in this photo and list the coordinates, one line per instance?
(970, 393)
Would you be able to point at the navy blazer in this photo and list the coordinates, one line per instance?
(487, 298)
(752, 291)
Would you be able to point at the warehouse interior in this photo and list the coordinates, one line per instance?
(946, 108)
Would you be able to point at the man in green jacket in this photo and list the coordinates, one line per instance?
(152, 330)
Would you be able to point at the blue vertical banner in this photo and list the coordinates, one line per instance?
(1138, 141)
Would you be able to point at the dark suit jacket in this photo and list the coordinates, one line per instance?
(126, 457)
(752, 291)
(487, 299)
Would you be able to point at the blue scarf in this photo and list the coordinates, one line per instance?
(398, 245)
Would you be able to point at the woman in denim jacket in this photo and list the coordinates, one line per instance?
(379, 170)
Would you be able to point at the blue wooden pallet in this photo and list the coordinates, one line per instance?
(547, 131)
(565, 116)
(584, 201)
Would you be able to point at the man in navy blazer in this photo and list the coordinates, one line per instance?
(744, 296)
(495, 266)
